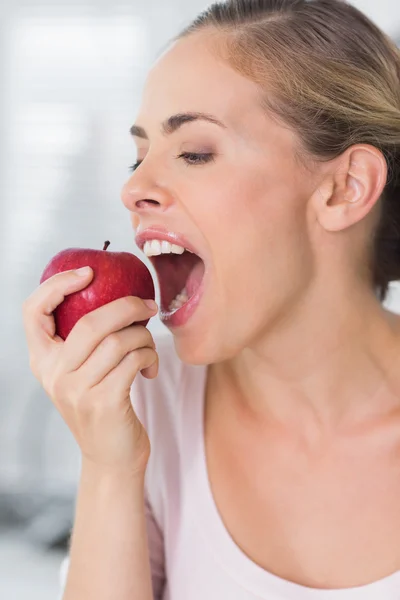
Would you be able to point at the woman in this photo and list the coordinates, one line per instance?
(268, 142)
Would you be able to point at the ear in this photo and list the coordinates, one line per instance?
(351, 187)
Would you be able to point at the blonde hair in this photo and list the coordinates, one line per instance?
(334, 77)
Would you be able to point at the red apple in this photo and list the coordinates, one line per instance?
(115, 275)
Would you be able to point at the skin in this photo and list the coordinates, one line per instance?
(303, 385)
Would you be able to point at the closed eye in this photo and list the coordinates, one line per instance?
(191, 159)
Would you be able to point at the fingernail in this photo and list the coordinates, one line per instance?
(151, 304)
(82, 271)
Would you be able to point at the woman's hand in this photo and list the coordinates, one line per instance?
(89, 375)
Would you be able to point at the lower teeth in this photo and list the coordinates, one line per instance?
(179, 301)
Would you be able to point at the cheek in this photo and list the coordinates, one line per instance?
(252, 218)
(250, 209)
(258, 232)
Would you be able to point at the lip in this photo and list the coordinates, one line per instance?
(158, 232)
(179, 317)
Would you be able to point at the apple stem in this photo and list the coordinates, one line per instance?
(106, 244)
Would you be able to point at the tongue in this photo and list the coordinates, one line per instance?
(194, 280)
(175, 272)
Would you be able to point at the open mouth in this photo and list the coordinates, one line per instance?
(180, 277)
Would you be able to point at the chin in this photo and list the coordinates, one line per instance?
(193, 351)
(198, 348)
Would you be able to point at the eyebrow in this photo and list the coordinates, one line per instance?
(174, 122)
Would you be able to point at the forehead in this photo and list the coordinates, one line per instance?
(191, 76)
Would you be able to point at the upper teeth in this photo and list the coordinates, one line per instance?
(155, 247)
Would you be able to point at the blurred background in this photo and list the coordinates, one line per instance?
(71, 76)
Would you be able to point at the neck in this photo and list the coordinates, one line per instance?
(333, 360)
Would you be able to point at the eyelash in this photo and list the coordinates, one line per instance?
(201, 159)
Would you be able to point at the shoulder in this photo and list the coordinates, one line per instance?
(166, 407)
(163, 403)
(152, 399)
(156, 403)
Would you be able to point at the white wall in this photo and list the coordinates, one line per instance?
(385, 13)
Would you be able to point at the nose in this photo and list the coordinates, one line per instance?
(142, 195)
